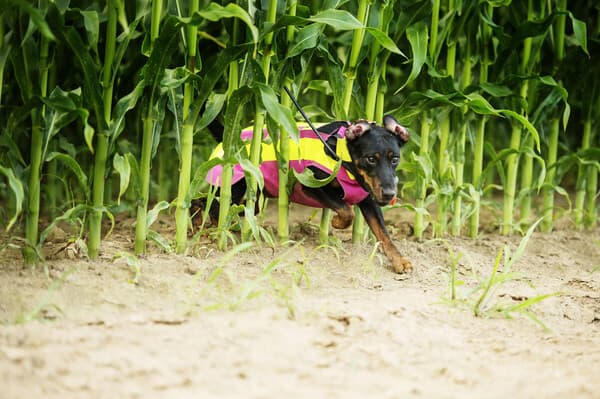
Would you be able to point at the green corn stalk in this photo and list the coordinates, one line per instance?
(149, 119)
(512, 163)
(283, 225)
(3, 50)
(164, 160)
(164, 175)
(227, 174)
(512, 160)
(102, 138)
(461, 144)
(548, 192)
(374, 76)
(157, 6)
(443, 153)
(357, 40)
(259, 121)
(580, 188)
(52, 186)
(187, 140)
(233, 116)
(33, 199)
(435, 22)
(480, 134)
(587, 177)
(421, 182)
(590, 219)
(37, 143)
(527, 165)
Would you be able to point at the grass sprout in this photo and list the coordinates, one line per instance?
(482, 299)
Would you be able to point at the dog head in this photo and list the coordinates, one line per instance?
(375, 153)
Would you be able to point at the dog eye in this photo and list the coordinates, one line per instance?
(371, 160)
(395, 160)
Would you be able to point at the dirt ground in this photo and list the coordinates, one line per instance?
(304, 321)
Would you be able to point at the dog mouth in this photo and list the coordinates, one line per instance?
(385, 201)
(387, 198)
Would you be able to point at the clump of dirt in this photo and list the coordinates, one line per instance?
(303, 320)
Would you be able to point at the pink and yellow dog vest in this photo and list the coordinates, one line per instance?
(309, 151)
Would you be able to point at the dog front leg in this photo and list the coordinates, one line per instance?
(374, 217)
(329, 197)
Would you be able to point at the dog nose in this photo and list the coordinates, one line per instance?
(388, 194)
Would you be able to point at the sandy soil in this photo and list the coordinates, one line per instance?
(303, 321)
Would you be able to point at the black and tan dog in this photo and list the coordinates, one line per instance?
(367, 177)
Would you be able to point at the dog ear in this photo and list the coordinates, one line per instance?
(357, 129)
(392, 125)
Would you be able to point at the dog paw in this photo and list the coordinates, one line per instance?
(401, 264)
(341, 222)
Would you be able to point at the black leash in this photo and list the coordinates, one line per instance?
(329, 149)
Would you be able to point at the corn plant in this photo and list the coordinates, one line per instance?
(491, 91)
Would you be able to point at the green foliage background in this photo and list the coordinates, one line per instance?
(501, 98)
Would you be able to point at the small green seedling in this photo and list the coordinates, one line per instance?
(481, 300)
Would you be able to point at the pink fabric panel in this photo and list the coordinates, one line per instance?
(353, 192)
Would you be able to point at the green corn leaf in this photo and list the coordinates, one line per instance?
(174, 78)
(162, 52)
(480, 105)
(521, 306)
(36, 17)
(308, 179)
(154, 212)
(215, 12)
(135, 173)
(214, 106)
(12, 147)
(71, 164)
(425, 166)
(233, 117)
(525, 122)
(69, 215)
(92, 91)
(198, 177)
(91, 22)
(61, 109)
(214, 75)
(418, 39)
(580, 33)
(161, 241)
(17, 188)
(322, 86)
(337, 82)
(121, 165)
(306, 38)
(496, 90)
(338, 19)
(5, 51)
(282, 115)
(385, 41)
(124, 105)
(129, 34)
(88, 136)
(511, 260)
(251, 169)
(158, 112)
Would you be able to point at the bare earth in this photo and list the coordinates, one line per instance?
(302, 321)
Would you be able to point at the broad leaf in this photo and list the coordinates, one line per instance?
(17, 188)
(121, 165)
(417, 37)
(338, 19)
(72, 164)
